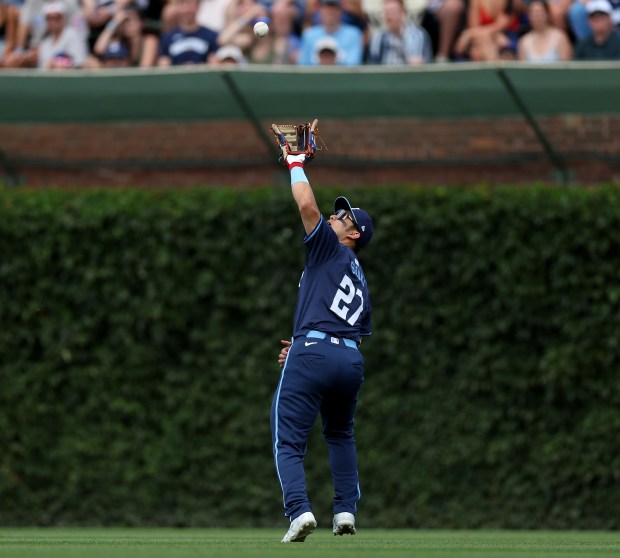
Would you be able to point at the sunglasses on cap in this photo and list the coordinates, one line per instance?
(342, 215)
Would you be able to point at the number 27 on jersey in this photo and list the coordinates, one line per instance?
(345, 301)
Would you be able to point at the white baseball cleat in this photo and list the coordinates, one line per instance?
(344, 524)
(300, 528)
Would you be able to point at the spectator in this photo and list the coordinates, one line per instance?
(491, 24)
(63, 47)
(544, 43)
(32, 29)
(189, 43)
(241, 15)
(558, 13)
(281, 45)
(97, 13)
(169, 17)
(604, 43)
(578, 18)
(150, 31)
(118, 45)
(101, 12)
(228, 55)
(212, 14)
(352, 14)
(298, 7)
(443, 20)
(9, 22)
(348, 37)
(401, 42)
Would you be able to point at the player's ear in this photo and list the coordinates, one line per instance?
(354, 234)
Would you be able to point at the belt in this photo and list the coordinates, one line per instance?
(335, 340)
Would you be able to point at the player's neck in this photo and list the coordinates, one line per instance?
(348, 242)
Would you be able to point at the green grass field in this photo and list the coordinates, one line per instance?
(167, 543)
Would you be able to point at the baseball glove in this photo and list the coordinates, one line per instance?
(296, 139)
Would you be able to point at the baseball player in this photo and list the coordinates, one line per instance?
(322, 368)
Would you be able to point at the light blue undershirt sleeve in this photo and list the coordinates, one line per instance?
(298, 175)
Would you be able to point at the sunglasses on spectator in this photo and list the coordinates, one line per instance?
(342, 215)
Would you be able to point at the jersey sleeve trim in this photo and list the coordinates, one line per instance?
(309, 236)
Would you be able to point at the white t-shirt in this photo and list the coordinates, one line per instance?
(70, 43)
(31, 15)
(211, 14)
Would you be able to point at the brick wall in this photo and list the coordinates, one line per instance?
(500, 150)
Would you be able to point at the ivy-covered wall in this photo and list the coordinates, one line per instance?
(139, 334)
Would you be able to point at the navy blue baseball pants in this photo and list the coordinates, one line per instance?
(319, 375)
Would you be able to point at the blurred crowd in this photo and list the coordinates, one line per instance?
(147, 33)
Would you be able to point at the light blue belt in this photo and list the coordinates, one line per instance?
(335, 340)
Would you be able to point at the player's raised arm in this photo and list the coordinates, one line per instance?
(302, 192)
(298, 147)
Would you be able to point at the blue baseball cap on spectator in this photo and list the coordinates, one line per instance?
(363, 222)
(63, 59)
(117, 50)
(330, 3)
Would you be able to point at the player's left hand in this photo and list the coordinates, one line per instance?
(283, 352)
(296, 139)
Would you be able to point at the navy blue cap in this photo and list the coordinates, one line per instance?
(117, 50)
(361, 218)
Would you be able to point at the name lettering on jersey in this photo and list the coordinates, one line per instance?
(357, 271)
(188, 44)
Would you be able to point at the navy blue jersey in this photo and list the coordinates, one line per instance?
(188, 48)
(333, 294)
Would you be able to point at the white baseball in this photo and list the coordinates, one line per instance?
(261, 28)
